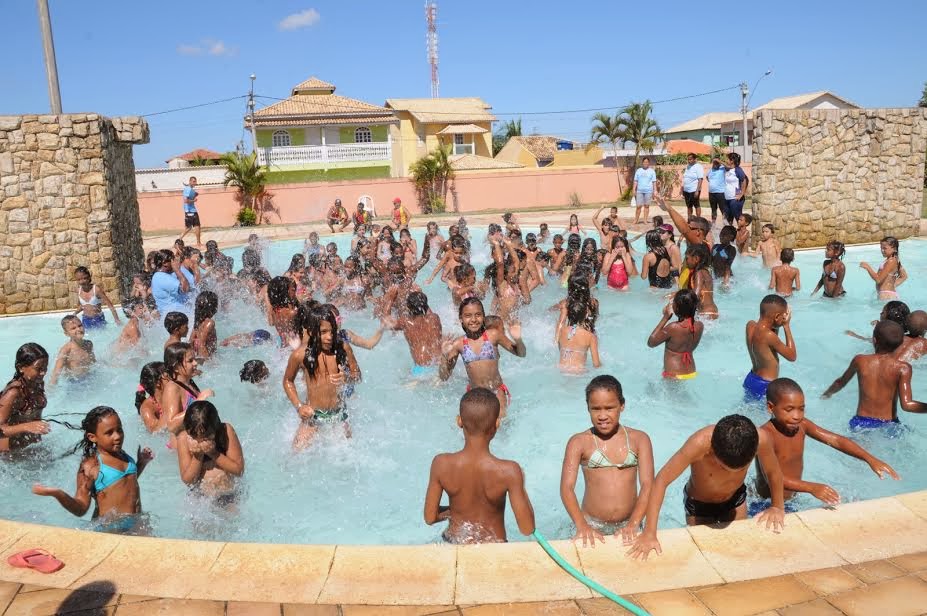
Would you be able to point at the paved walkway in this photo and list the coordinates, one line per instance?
(896, 587)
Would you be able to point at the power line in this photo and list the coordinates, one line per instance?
(224, 100)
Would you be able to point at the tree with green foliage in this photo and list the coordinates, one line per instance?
(923, 101)
(638, 125)
(511, 128)
(608, 129)
(431, 175)
(243, 172)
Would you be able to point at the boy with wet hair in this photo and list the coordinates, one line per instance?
(914, 345)
(476, 482)
(769, 247)
(719, 457)
(765, 346)
(177, 325)
(884, 381)
(76, 356)
(787, 430)
(744, 233)
(784, 278)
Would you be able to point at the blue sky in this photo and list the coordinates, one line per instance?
(127, 58)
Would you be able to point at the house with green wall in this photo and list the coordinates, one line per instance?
(316, 129)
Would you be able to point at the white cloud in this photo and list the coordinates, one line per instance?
(302, 19)
(189, 50)
(218, 48)
(212, 47)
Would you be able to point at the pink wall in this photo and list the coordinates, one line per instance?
(515, 190)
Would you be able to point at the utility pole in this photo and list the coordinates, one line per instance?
(744, 91)
(51, 65)
(251, 114)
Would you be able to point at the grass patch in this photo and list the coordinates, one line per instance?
(330, 175)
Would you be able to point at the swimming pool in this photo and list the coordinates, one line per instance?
(370, 489)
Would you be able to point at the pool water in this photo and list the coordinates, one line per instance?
(370, 489)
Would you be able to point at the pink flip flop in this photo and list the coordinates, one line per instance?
(36, 558)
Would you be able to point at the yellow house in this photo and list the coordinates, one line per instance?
(424, 123)
(547, 151)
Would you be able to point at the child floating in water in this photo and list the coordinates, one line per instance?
(615, 460)
(208, 451)
(23, 399)
(107, 475)
(177, 325)
(89, 298)
(890, 274)
(765, 346)
(577, 339)
(834, 270)
(681, 338)
(483, 364)
(787, 430)
(719, 457)
(884, 381)
(149, 396)
(477, 483)
(76, 356)
(784, 278)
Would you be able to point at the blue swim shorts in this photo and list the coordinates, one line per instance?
(755, 387)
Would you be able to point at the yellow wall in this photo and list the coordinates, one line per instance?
(407, 148)
(576, 158)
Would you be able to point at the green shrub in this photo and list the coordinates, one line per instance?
(575, 201)
(247, 217)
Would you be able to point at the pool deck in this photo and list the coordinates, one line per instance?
(858, 559)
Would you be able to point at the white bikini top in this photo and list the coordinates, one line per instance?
(93, 301)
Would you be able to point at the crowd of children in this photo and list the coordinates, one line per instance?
(624, 491)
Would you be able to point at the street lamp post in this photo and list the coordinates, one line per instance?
(251, 114)
(51, 65)
(744, 105)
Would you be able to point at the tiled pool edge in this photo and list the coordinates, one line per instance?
(447, 575)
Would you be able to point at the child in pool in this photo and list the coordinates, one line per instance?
(482, 364)
(254, 371)
(914, 345)
(511, 223)
(329, 366)
(619, 264)
(556, 256)
(465, 284)
(247, 339)
(312, 247)
(281, 294)
(149, 396)
(656, 266)
(180, 390)
(890, 274)
(723, 254)
(719, 457)
(769, 247)
(534, 262)
(576, 340)
(787, 430)
(765, 347)
(208, 451)
(477, 483)
(434, 238)
(177, 325)
(744, 234)
(784, 278)
(89, 298)
(613, 464)
(680, 339)
(141, 288)
(76, 356)
(893, 310)
(422, 331)
(574, 226)
(203, 340)
(834, 270)
(884, 381)
(23, 399)
(699, 280)
(107, 475)
(543, 233)
(457, 255)
(136, 313)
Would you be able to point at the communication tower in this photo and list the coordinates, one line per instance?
(431, 40)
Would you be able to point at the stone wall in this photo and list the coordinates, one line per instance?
(855, 175)
(67, 198)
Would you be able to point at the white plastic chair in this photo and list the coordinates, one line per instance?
(367, 200)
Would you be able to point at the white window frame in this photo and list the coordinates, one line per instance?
(281, 139)
(363, 131)
(461, 146)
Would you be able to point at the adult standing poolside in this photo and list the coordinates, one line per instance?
(191, 217)
(716, 190)
(644, 179)
(692, 179)
(735, 188)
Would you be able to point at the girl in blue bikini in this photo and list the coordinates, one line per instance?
(479, 350)
(107, 475)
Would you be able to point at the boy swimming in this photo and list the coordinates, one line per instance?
(477, 483)
(765, 346)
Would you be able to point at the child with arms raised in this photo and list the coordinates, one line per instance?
(681, 338)
(765, 347)
(107, 475)
(787, 430)
(615, 460)
(476, 482)
(719, 457)
(76, 356)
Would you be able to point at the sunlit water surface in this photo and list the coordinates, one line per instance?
(370, 489)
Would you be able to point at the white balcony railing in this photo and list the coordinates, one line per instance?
(340, 153)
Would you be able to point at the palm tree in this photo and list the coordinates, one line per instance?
(431, 175)
(512, 128)
(243, 172)
(608, 129)
(638, 125)
(923, 101)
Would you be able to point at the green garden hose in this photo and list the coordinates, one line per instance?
(583, 579)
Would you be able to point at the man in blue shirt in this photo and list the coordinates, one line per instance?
(191, 218)
(644, 179)
(716, 190)
(692, 185)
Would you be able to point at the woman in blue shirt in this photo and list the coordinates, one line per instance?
(169, 286)
(716, 190)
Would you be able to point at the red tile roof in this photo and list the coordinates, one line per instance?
(197, 153)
